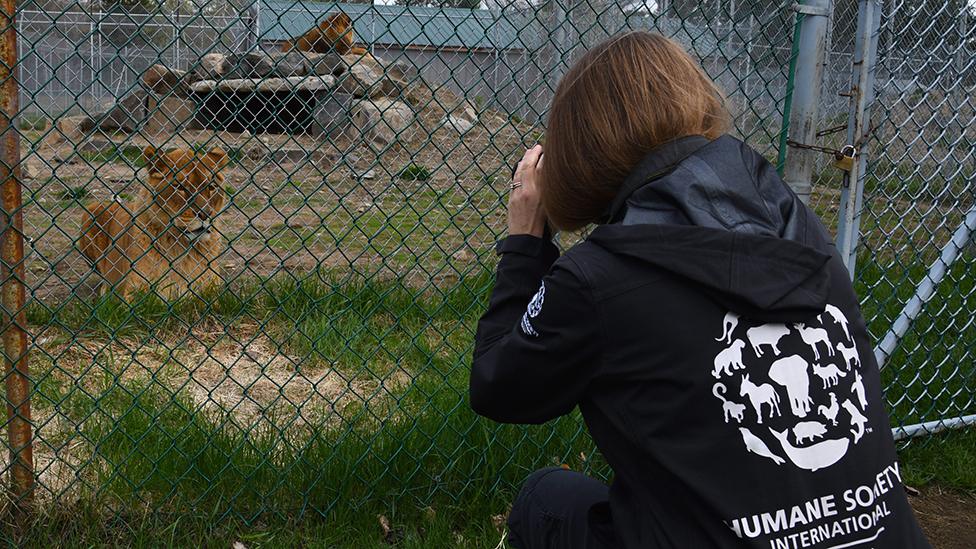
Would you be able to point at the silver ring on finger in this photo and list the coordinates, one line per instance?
(516, 184)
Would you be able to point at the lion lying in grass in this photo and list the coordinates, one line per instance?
(167, 237)
(335, 33)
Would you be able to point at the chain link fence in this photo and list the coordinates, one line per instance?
(76, 61)
(287, 327)
(915, 254)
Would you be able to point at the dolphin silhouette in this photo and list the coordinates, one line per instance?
(755, 445)
(813, 457)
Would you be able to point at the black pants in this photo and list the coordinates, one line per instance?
(557, 508)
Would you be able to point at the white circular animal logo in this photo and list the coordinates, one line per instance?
(794, 392)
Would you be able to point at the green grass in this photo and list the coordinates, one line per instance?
(157, 447)
(446, 526)
(932, 365)
(128, 154)
(276, 483)
(947, 459)
(445, 522)
(931, 369)
(415, 172)
(73, 193)
(322, 317)
(207, 478)
(32, 122)
(406, 228)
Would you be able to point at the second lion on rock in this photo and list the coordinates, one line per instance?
(333, 34)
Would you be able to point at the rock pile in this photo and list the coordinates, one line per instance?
(281, 92)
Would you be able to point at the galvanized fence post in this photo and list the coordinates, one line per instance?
(253, 33)
(962, 237)
(805, 103)
(559, 43)
(858, 127)
(12, 273)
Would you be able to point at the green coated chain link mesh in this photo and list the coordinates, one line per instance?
(289, 328)
(918, 194)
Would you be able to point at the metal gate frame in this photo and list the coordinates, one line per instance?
(815, 17)
(859, 133)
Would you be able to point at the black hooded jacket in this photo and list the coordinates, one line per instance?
(710, 335)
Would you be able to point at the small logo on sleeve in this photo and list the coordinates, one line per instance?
(533, 310)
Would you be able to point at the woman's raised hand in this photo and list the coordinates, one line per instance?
(525, 213)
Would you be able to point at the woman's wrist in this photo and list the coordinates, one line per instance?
(524, 244)
(537, 230)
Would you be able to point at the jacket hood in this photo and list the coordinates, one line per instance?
(718, 214)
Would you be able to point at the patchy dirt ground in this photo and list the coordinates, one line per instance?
(236, 374)
(948, 518)
(297, 202)
(230, 370)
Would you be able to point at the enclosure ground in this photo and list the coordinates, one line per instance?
(319, 394)
(325, 386)
(948, 517)
(295, 202)
(942, 471)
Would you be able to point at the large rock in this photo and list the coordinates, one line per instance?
(257, 64)
(126, 115)
(203, 86)
(383, 121)
(169, 115)
(401, 70)
(266, 85)
(292, 63)
(459, 124)
(238, 85)
(462, 118)
(325, 63)
(276, 85)
(467, 111)
(33, 167)
(212, 66)
(163, 80)
(249, 65)
(315, 83)
(331, 115)
(367, 79)
(67, 128)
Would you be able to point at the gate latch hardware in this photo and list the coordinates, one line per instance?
(844, 158)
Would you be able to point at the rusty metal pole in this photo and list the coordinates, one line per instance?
(12, 271)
